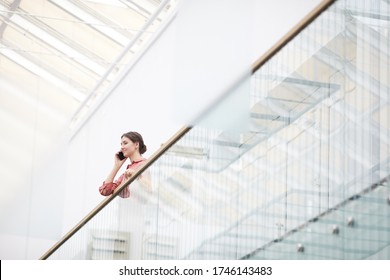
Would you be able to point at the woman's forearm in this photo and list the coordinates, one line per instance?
(111, 176)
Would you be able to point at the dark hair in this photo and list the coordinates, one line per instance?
(135, 137)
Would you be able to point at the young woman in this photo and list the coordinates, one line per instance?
(132, 148)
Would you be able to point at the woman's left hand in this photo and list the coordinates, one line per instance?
(129, 172)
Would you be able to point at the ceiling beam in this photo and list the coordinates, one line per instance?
(13, 8)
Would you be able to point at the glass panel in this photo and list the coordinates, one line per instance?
(307, 180)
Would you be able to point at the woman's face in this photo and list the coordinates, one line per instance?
(128, 147)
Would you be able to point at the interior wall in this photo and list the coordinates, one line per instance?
(32, 190)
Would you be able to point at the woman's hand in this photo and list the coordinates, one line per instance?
(118, 161)
(129, 172)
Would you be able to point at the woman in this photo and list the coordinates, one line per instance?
(132, 147)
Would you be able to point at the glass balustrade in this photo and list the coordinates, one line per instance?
(306, 177)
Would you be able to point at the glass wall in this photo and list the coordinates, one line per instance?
(307, 179)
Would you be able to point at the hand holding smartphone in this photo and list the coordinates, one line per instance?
(120, 156)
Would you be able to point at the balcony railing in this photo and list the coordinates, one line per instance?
(305, 177)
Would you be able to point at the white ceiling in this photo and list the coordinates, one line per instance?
(70, 50)
(56, 58)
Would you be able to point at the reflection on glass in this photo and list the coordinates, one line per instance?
(307, 180)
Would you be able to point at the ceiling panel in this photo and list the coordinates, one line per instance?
(56, 56)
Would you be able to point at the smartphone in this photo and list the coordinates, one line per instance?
(120, 156)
